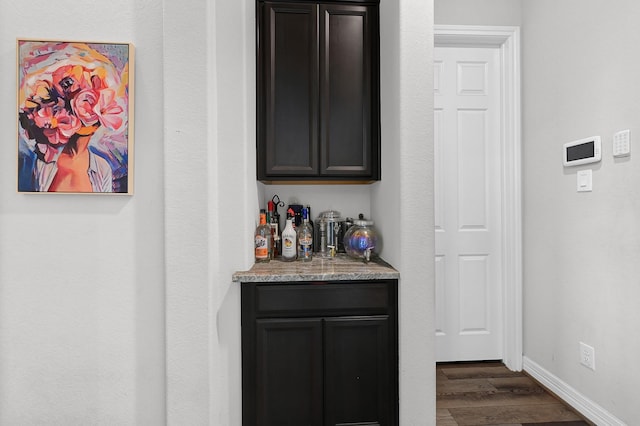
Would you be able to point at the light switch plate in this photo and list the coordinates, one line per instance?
(585, 183)
(622, 143)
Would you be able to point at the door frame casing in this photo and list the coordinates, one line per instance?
(507, 40)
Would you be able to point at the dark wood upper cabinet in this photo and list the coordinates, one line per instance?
(318, 106)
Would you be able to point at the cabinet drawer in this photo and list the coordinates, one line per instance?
(310, 298)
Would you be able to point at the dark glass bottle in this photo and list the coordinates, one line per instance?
(275, 231)
(313, 228)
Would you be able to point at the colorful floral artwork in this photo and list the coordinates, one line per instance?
(75, 117)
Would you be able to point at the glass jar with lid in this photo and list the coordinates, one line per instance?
(361, 240)
(328, 233)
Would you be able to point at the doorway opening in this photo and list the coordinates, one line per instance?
(505, 40)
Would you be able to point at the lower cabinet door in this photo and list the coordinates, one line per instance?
(289, 383)
(358, 377)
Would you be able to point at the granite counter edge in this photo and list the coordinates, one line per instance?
(245, 277)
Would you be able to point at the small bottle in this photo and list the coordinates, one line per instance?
(271, 244)
(305, 238)
(275, 232)
(277, 245)
(289, 246)
(262, 239)
(313, 228)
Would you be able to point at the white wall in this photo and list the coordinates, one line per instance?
(82, 333)
(402, 202)
(581, 249)
(477, 12)
(81, 277)
(349, 200)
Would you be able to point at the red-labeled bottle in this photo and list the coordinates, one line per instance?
(262, 239)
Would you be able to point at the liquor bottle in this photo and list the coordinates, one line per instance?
(272, 221)
(268, 223)
(262, 239)
(276, 216)
(289, 246)
(313, 228)
(305, 238)
(292, 214)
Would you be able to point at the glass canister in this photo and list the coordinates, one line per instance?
(328, 233)
(362, 240)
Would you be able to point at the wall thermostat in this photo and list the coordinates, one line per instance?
(582, 151)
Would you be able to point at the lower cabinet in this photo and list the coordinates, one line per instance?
(320, 353)
(288, 373)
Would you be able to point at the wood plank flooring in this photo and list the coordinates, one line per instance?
(488, 393)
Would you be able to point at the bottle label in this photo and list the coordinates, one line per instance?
(305, 249)
(262, 248)
(305, 241)
(288, 247)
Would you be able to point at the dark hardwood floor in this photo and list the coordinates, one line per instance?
(488, 393)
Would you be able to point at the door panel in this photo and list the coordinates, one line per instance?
(289, 372)
(358, 374)
(346, 89)
(467, 101)
(473, 281)
(472, 173)
(291, 89)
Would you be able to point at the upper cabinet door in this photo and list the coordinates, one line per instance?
(288, 83)
(349, 106)
(318, 103)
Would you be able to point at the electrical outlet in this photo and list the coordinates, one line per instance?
(587, 356)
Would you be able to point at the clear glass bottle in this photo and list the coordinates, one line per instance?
(262, 239)
(305, 238)
(289, 246)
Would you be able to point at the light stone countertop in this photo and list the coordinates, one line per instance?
(341, 267)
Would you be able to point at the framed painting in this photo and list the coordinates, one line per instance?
(75, 117)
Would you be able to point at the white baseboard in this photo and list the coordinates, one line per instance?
(581, 403)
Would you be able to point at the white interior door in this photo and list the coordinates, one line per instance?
(467, 102)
